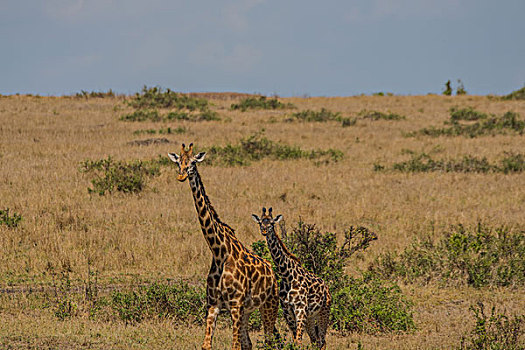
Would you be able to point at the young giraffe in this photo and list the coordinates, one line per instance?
(305, 298)
(238, 280)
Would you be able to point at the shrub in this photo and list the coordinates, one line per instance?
(494, 332)
(461, 88)
(9, 220)
(154, 116)
(111, 175)
(516, 95)
(468, 113)
(448, 89)
(323, 115)
(490, 125)
(481, 256)
(370, 305)
(156, 97)
(142, 115)
(256, 147)
(168, 131)
(260, 102)
(95, 94)
(179, 301)
(375, 115)
(423, 162)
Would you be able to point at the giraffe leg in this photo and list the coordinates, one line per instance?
(323, 322)
(237, 314)
(289, 317)
(269, 316)
(300, 316)
(246, 343)
(213, 312)
(312, 330)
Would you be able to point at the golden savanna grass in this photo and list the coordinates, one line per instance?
(155, 235)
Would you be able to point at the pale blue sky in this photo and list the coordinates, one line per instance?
(286, 47)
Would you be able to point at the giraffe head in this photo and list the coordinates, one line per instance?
(186, 161)
(266, 221)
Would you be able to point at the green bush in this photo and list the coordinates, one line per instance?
(156, 97)
(468, 113)
(423, 162)
(260, 102)
(516, 95)
(448, 89)
(154, 116)
(95, 94)
(111, 175)
(179, 301)
(9, 220)
(323, 115)
(489, 125)
(495, 332)
(480, 256)
(376, 115)
(371, 305)
(167, 131)
(257, 147)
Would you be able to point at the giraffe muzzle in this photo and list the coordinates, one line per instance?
(182, 177)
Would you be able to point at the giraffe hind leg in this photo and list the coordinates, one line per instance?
(269, 317)
(246, 343)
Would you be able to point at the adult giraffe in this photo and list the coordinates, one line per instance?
(239, 280)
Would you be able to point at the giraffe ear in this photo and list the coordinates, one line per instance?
(256, 218)
(277, 218)
(200, 157)
(174, 157)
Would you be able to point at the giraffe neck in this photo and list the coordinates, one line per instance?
(280, 255)
(212, 228)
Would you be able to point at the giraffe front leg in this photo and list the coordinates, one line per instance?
(213, 312)
(237, 315)
(300, 317)
(246, 343)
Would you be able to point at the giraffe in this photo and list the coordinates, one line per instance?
(239, 280)
(305, 298)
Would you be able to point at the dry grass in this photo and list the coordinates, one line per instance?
(155, 234)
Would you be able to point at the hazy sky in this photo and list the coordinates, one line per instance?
(286, 47)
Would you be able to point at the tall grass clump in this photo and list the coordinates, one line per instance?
(324, 115)
(423, 162)
(10, 220)
(260, 102)
(257, 147)
(483, 125)
(480, 256)
(179, 302)
(111, 175)
(365, 304)
(95, 94)
(496, 331)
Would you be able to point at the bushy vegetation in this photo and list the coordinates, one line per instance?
(10, 220)
(156, 97)
(161, 131)
(516, 95)
(376, 115)
(95, 94)
(483, 125)
(423, 162)
(178, 301)
(155, 116)
(365, 304)
(179, 106)
(479, 256)
(257, 147)
(111, 175)
(495, 332)
(260, 102)
(323, 115)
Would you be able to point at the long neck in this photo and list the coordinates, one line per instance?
(280, 255)
(211, 226)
